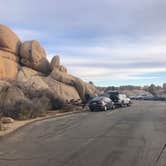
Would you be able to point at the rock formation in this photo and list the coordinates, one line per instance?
(33, 56)
(9, 50)
(55, 62)
(27, 63)
(9, 41)
(59, 73)
(8, 65)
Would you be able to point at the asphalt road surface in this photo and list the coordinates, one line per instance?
(131, 136)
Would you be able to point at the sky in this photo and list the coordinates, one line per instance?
(108, 42)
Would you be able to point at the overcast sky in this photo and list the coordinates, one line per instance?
(110, 42)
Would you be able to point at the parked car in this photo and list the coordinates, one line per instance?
(101, 103)
(124, 100)
(159, 98)
(143, 97)
(118, 98)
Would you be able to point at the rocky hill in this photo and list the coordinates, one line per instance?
(24, 68)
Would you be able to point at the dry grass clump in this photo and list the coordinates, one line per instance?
(27, 109)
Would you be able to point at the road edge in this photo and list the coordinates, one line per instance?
(8, 134)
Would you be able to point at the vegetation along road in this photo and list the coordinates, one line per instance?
(131, 136)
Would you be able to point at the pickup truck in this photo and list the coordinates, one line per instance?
(118, 98)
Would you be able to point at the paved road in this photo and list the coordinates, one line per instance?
(133, 136)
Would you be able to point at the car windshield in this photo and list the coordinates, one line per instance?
(98, 98)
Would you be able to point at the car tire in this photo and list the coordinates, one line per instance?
(123, 104)
(91, 110)
(105, 108)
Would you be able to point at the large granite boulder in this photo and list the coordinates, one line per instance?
(33, 56)
(9, 41)
(8, 69)
(9, 56)
(63, 69)
(77, 83)
(26, 73)
(92, 89)
(60, 76)
(55, 62)
(63, 91)
(59, 73)
(36, 81)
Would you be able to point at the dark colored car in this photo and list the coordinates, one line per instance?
(101, 103)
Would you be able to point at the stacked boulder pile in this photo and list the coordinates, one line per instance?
(25, 65)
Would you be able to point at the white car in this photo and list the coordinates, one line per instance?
(118, 98)
(124, 100)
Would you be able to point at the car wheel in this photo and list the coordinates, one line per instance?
(91, 109)
(105, 108)
(123, 104)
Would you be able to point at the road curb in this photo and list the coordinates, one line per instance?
(8, 134)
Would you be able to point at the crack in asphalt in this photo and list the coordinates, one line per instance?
(160, 154)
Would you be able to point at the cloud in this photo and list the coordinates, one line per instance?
(122, 60)
(105, 17)
(121, 73)
(123, 40)
(28, 34)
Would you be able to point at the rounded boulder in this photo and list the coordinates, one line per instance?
(8, 69)
(9, 41)
(55, 62)
(33, 56)
(9, 56)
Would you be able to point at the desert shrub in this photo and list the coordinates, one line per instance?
(43, 94)
(20, 110)
(40, 106)
(33, 93)
(27, 109)
(65, 105)
(57, 103)
(69, 107)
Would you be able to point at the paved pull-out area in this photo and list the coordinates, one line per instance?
(131, 136)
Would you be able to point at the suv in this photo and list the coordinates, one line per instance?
(118, 98)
